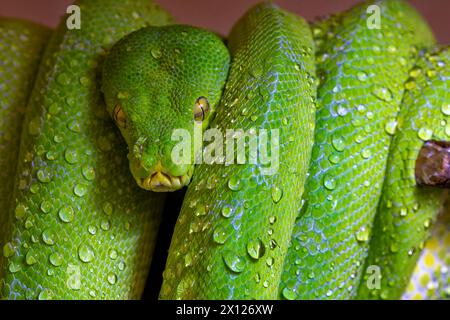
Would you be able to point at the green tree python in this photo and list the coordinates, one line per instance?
(323, 152)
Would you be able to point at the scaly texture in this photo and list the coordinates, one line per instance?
(361, 72)
(153, 80)
(231, 237)
(79, 227)
(407, 211)
(21, 47)
(430, 279)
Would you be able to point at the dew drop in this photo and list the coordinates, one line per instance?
(14, 267)
(56, 259)
(201, 210)
(88, 172)
(233, 261)
(393, 248)
(44, 175)
(63, 79)
(446, 109)
(338, 143)
(366, 153)
(234, 183)
(403, 61)
(108, 208)
(410, 84)
(71, 156)
(156, 53)
(30, 258)
(8, 250)
(362, 235)
(403, 212)
(53, 109)
(425, 134)
(112, 278)
(392, 49)
(431, 73)
(362, 76)
(92, 230)
(361, 108)
(86, 253)
(334, 158)
(105, 225)
(342, 111)
(220, 235)
(227, 211)
(270, 261)
(276, 193)
(48, 236)
(256, 249)
(28, 224)
(45, 295)
(80, 190)
(289, 294)
(391, 126)
(50, 155)
(66, 214)
(20, 212)
(113, 254)
(84, 81)
(211, 182)
(329, 182)
(415, 72)
(34, 188)
(74, 126)
(383, 94)
(58, 138)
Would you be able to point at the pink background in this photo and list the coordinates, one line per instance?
(219, 15)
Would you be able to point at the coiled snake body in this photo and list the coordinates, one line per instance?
(355, 117)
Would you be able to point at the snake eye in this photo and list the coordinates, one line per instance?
(119, 117)
(201, 109)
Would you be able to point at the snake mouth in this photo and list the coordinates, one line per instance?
(162, 182)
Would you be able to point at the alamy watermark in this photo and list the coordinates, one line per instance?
(234, 146)
(73, 21)
(374, 18)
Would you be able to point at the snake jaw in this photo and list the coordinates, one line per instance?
(162, 182)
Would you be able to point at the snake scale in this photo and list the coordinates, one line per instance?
(349, 121)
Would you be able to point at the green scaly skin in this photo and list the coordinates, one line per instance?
(235, 224)
(21, 47)
(406, 212)
(79, 227)
(362, 73)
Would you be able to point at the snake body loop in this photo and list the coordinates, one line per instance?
(323, 147)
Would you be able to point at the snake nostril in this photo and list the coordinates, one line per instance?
(138, 147)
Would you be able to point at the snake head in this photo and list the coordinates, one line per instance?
(158, 81)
